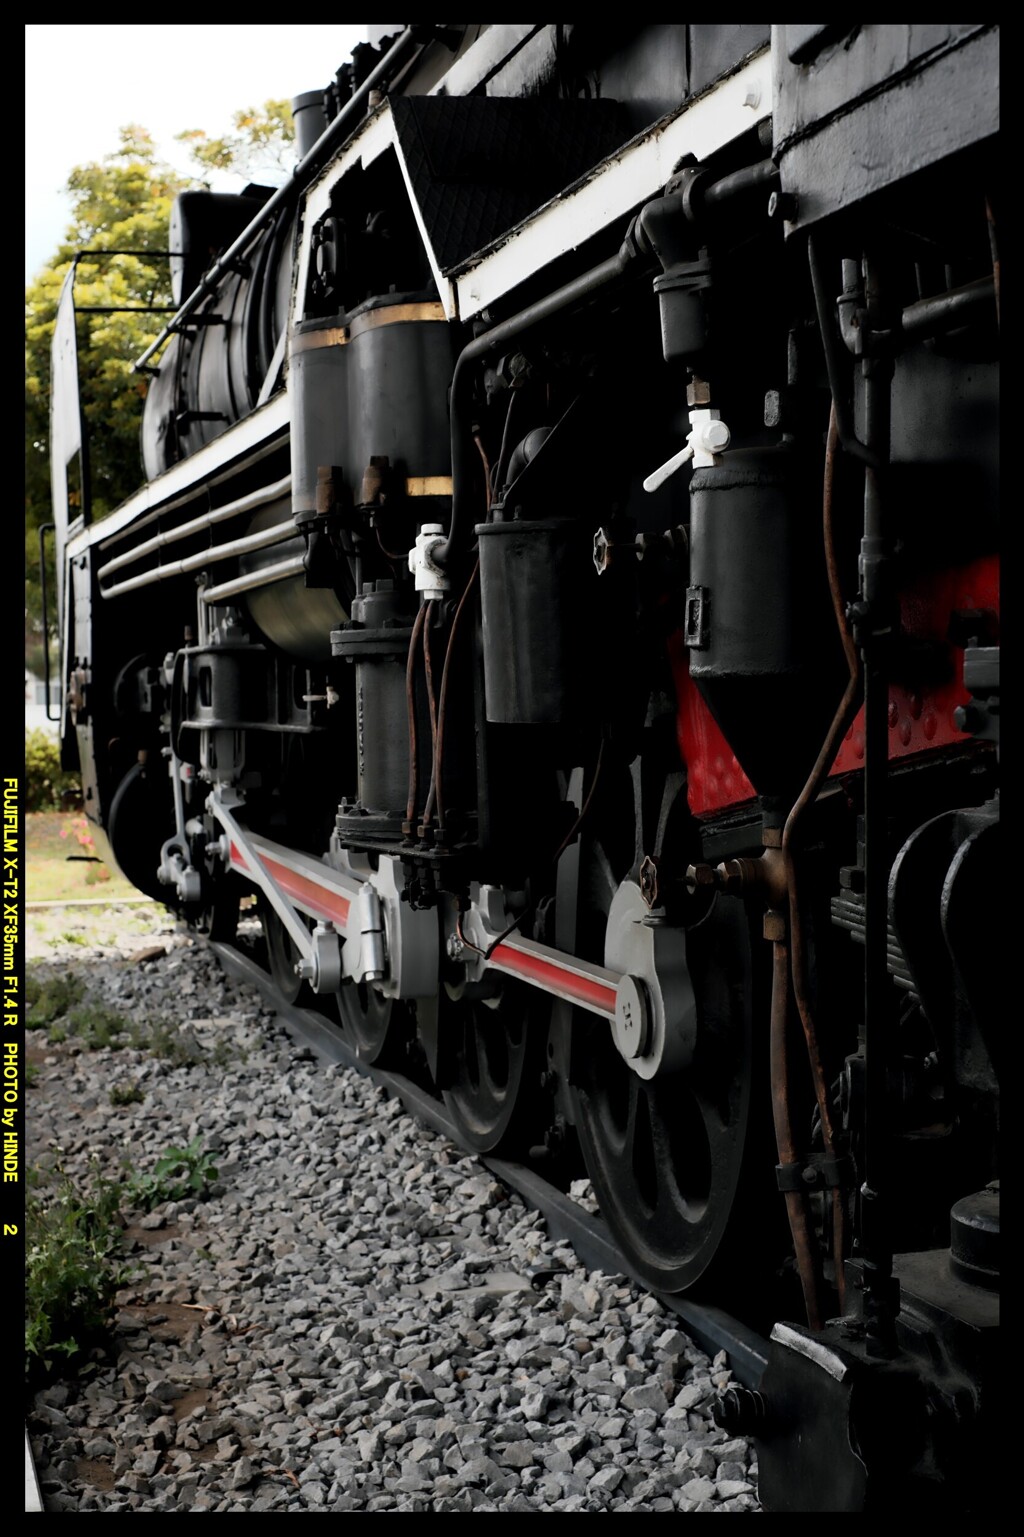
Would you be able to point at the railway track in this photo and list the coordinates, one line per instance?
(712, 1328)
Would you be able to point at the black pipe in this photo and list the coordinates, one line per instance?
(835, 361)
(582, 287)
(764, 174)
(929, 317)
(309, 167)
(877, 622)
(463, 448)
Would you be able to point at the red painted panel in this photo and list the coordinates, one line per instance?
(918, 722)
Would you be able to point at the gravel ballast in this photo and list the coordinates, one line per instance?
(346, 1321)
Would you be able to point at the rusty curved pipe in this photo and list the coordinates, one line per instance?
(848, 706)
(796, 1201)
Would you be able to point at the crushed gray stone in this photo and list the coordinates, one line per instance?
(344, 1320)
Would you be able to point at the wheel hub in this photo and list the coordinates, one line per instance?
(655, 1026)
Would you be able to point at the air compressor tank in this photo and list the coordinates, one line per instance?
(764, 651)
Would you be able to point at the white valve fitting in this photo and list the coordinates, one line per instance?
(430, 579)
(708, 437)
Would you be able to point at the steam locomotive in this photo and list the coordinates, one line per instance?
(565, 590)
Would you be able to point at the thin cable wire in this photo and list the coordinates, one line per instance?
(410, 700)
(428, 670)
(443, 700)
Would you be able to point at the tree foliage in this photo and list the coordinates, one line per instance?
(120, 203)
(261, 143)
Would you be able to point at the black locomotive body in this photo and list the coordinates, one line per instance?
(565, 588)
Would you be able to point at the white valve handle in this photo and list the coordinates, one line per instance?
(670, 466)
(707, 437)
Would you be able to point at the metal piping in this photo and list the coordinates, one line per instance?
(874, 623)
(254, 579)
(583, 287)
(941, 312)
(835, 360)
(244, 546)
(843, 718)
(207, 520)
(796, 1201)
(765, 173)
(309, 167)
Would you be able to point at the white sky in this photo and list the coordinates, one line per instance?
(83, 83)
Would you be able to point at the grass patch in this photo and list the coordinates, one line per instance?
(50, 836)
(180, 1172)
(74, 1268)
(97, 1028)
(51, 997)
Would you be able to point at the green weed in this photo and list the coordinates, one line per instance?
(50, 997)
(180, 1172)
(163, 1041)
(74, 1268)
(97, 1027)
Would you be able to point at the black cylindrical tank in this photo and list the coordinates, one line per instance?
(369, 384)
(535, 580)
(310, 118)
(377, 643)
(763, 645)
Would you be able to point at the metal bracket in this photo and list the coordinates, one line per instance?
(696, 619)
(320, 952)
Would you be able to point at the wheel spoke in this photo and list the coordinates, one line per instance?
(668, 1156)
(489, 1066)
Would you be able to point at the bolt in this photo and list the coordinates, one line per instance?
(698, 392)
(455, 947)
(968, 718)
(753, 95)
(782, 205)
(699, 876)
(715, 437)
(649, 881)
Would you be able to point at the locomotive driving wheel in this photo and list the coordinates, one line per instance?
(490, 1066)
(377, 1028)
(671, 1152)
(283, 956)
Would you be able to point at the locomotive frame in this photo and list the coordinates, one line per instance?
(565, 588)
